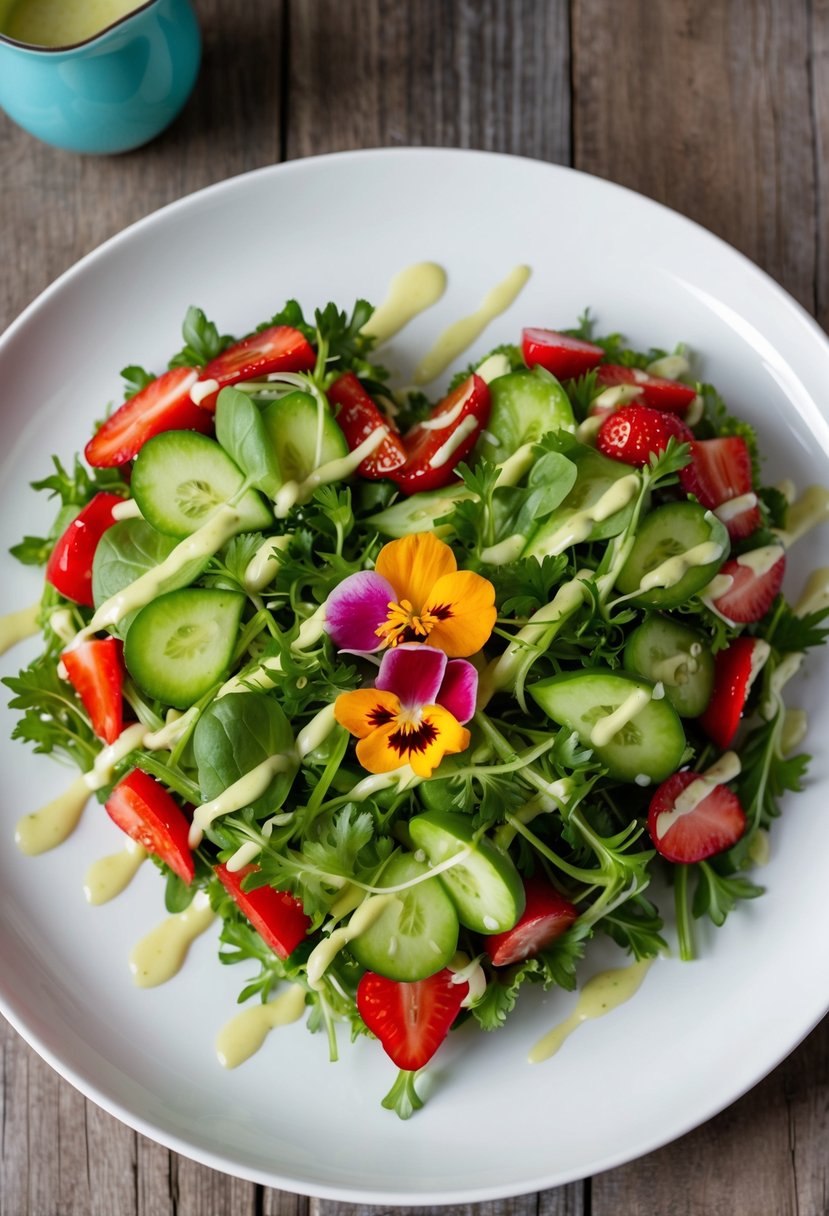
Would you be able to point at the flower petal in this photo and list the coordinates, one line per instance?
(413, 673)
(414, 564)
(355, 608)
(459, 689)
(423, 746)
(365, 710)
(464, 605)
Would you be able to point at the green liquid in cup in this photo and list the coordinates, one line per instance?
(61, 22)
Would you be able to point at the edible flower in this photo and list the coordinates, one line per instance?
(415, 713)
(416, 593)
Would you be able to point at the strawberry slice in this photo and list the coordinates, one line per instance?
(143, 808)
(687, 833)
(735, 670)
(756, 578)
(410, 1020)
(358, 417)
(634, 432)
(656, 391)
(69, 568)
(720, 473)
(546, 916)
(164, 405)
(435, 446)
(565, 357)
(277, 916)
(277, 349)
(96, 671)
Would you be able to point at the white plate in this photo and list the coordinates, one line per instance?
(696, 1036)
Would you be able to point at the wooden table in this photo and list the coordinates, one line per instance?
(720, 110)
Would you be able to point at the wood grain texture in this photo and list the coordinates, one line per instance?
(721, 110)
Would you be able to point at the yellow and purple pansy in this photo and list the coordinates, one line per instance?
(415, 713)
(416, 593)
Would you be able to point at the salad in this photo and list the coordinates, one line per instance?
(422, 697)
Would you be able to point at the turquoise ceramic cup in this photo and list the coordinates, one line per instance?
(112, 92)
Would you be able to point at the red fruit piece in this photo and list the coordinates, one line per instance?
(358, 417)
(655, 391)
(565, 357)
(636, 431)
(277, 349)
(735, 670)
(756, 579)
(277, 916)
(164, 405)
(143, 808)
(435, 446)
(719, 473)
(410, 1020)
(96, 672)
(69, 568)
(691, 833)
(546, 916)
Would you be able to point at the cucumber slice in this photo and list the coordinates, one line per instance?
(304, 435)
(595, 475)
(181, 644)
(416, 935)
(181, 477)
(419, 512)
(662, 649)
(485, 887)
(672, 543)
(645, 749)
(524, 407)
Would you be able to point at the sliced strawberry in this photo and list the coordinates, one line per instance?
(410, 1020)
(69, 568)
(735, 670)
(634, 432)
(565, 357)
(655, 391)
(358, 418)
(546, 916)
(143, 808)
(685, 835)
(164, 405)
(277, 916)
(719, 473)
(756, 579)
(96, 672)
(278, 349)
(435, 446)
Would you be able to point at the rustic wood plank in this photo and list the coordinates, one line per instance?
(563, 1201)
(493, 74)
(57, 205)
(706, 107)
(819, 37)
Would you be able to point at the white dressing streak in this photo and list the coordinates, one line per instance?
(725, 770)
(242, 793)
(17, 626)
(161, 954)
(243, 1035)
(580, 524)
(128, 509)
(410, 293)
(610, 724)
(321, 957)
(110, 875)
(263, 567)
(806, 512)
(53, 823)
(601, 994)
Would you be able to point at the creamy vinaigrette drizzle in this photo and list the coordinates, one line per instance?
(161, 954)
(242, 1036)
(601, 994)
(17, 626)
(410, 293)
(461, 334)
(111, 875)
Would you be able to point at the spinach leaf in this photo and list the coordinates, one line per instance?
(126, 551)
(241, 432)
(233, 736)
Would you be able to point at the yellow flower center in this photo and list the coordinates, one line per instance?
(403, 624)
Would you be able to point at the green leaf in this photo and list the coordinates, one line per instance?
(241, 431)
(635, 925)
(236, 734)
(717, 894)
(553, 967)
(403, 1098)
(202, 341)
(126, 551)
(135, 379)
(790, 632)
(52, 718)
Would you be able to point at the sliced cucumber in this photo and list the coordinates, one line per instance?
(662, 649)
(595, 475)
(418, 512)
(524, 407)
(181, 644)
(485, 887)
(678, 550)
(304, 435)
(181, 477)
(417, 934)
(646, 748)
